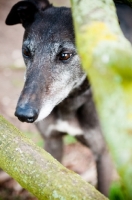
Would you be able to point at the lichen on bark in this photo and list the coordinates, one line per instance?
(37, 171)
(107, 59)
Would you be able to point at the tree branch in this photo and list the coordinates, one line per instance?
(107, 58)
(37, 171)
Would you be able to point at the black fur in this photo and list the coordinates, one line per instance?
(50, 79)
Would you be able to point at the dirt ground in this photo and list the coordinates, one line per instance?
(76, 157)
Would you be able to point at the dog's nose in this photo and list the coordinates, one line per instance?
(26, 114)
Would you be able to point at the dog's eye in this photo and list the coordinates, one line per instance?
(64, 56)
(26, 52)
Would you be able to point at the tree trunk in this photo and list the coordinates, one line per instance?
(107, 59)
(37, 171)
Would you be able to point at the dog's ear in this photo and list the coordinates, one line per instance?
(24, 11)
(21, 13)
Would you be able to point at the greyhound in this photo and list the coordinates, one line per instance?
(57, 95)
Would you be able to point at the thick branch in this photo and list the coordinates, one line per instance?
(38, 171)
(107, 58)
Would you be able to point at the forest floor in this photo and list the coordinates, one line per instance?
(76, 157)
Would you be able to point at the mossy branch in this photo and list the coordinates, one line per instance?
(107, 59)
(37, 171)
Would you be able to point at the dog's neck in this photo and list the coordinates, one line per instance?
(81, 89)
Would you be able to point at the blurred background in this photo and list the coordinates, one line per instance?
(12, 69)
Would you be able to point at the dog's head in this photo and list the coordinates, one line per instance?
(52, 63)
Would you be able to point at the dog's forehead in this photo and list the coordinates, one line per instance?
(55, 23)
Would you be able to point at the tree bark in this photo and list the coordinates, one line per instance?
(37, 171)
(107, 59)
